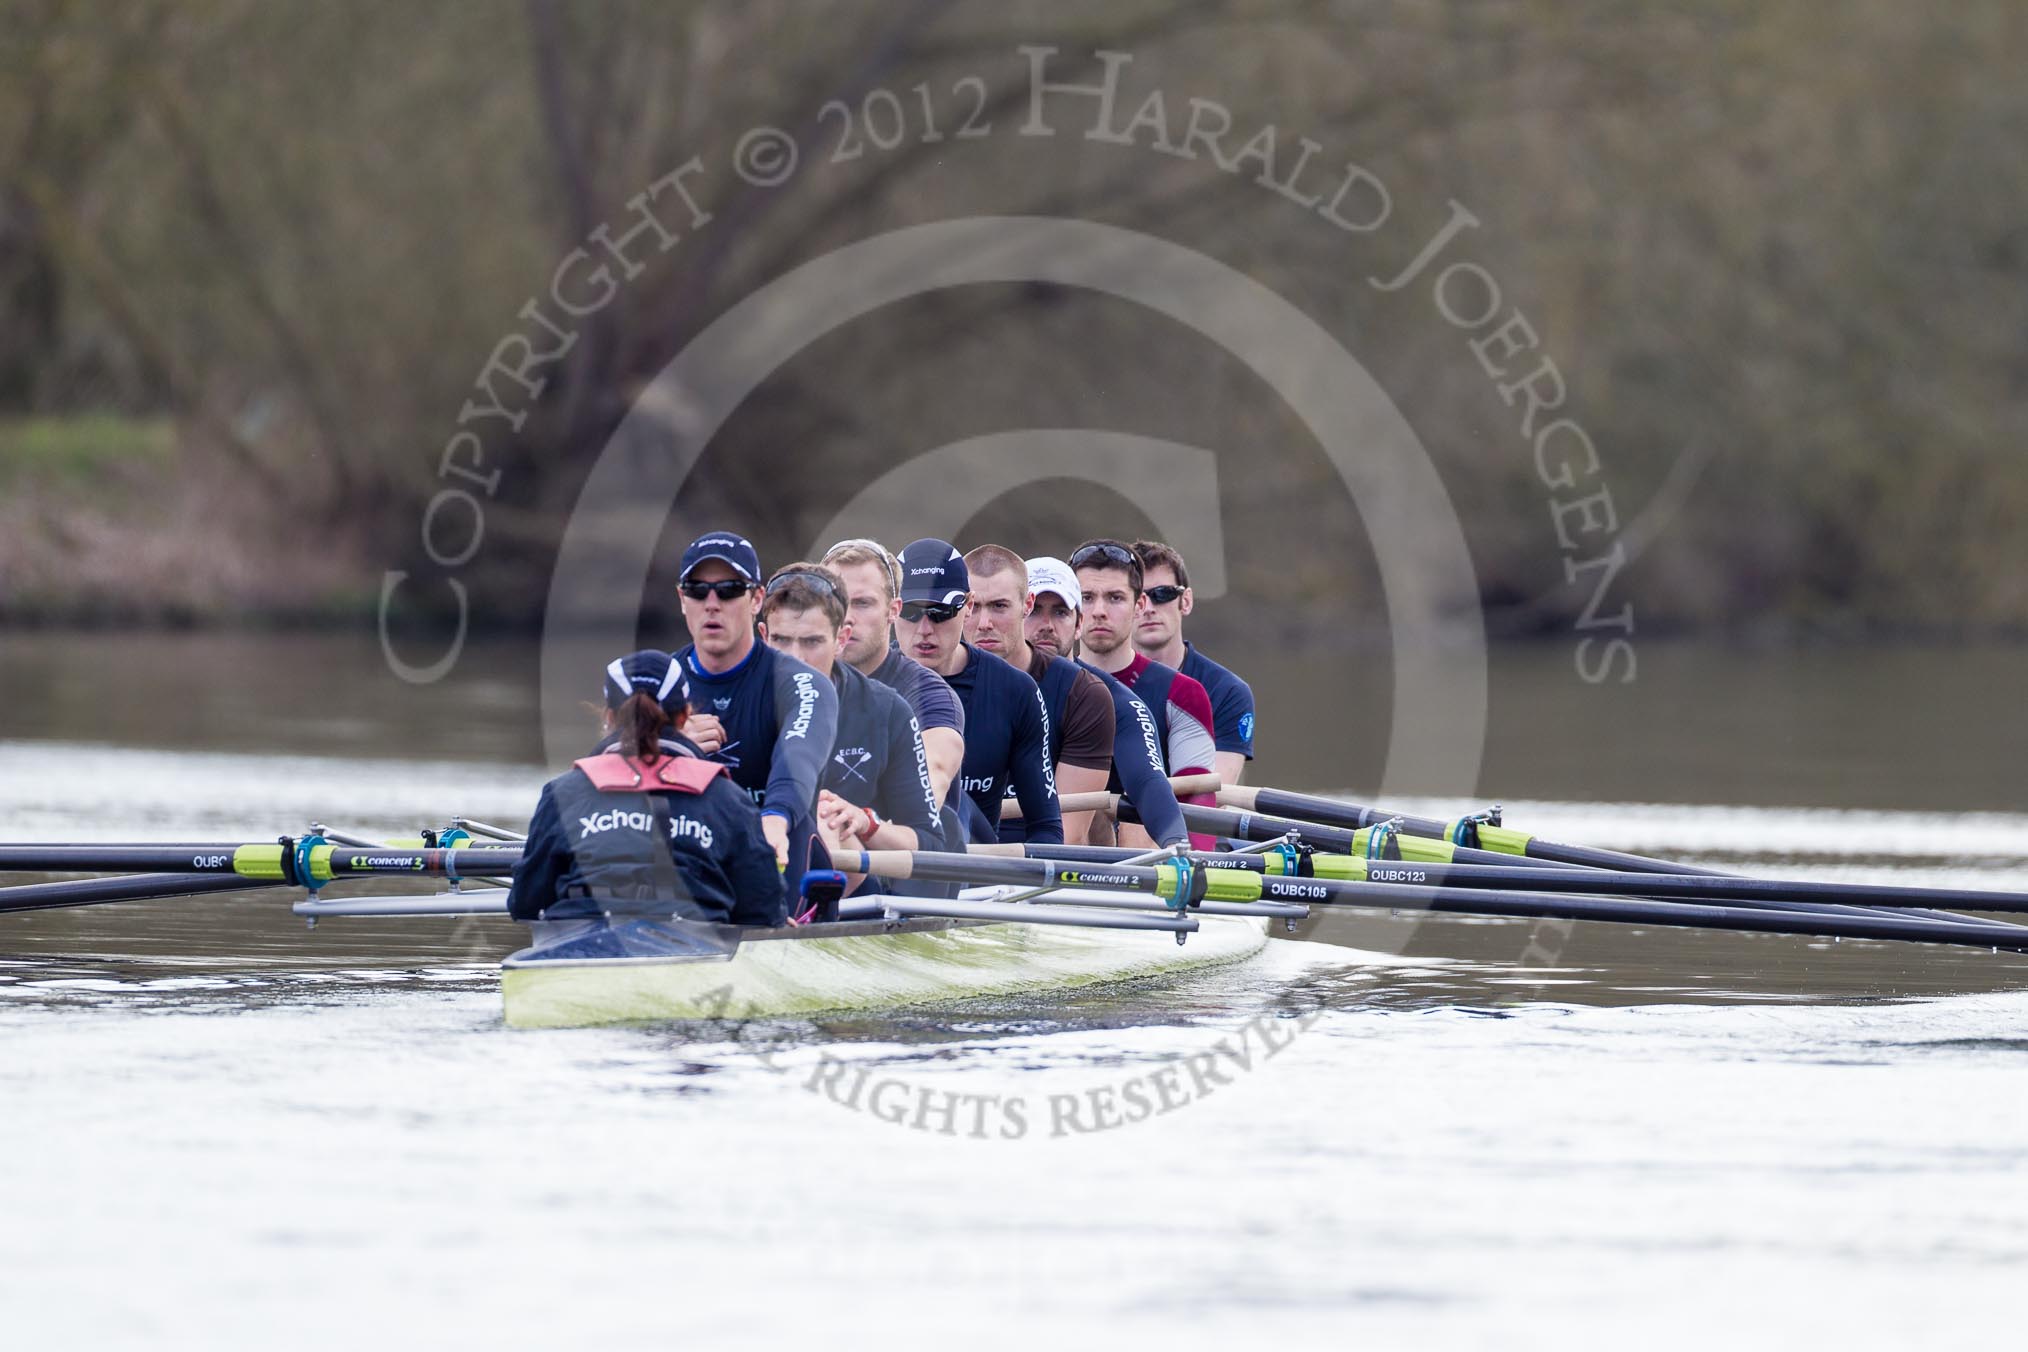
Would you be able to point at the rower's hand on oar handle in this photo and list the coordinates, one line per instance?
(842, 828)
(842, 821)
(706, 731)
(776, 829)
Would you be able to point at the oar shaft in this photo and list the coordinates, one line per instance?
(1256, 826)
(1025, 913)
(267, 863)
(1855, 897)
(1517, 849)
(1353, 817)
(117, 858)
(1673, 914)
(1242, 886)
(1101, 801)
(1849, 897)
(133, 887)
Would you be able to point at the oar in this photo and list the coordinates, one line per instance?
(1237, 885)
(1098, 800)
(1470, 831)
(482, 829)
(94, 891)
(1027, 913)
(314, 909)
(1414, 849)
(1258, 827)
(1857, 897)
(287, 861)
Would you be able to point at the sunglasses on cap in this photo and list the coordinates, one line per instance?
(725, 589)
(913, 611)
(1163, 595)
(887, 559)
(1096, 555)
(817, 580)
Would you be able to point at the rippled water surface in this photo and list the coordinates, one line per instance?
(218, 1128)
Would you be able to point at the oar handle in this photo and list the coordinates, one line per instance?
(899, 864)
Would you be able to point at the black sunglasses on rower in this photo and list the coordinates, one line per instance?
(725, 589)
(913, 611)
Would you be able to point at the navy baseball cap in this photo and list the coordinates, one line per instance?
(735, 550)
(655, 672)
(932, 571)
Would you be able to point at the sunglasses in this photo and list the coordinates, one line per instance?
(913, 611)
(874, 547)
(726, 589)
(817, 580)
(1163, 595)
(1124, 557)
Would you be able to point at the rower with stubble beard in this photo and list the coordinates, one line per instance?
(1006, 722)
(1137, 774)
(1110, 589)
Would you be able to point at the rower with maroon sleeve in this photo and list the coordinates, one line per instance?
(1138, 774)
(1158, 636)
(1110, 585)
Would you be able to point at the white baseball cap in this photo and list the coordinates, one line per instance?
(1046, 574)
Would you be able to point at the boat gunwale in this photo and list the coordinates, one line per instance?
(740, 936)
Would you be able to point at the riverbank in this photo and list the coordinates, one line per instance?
(107, 521)
(112, 522)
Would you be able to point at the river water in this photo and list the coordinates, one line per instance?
(221, 1129)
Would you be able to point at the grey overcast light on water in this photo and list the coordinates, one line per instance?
(221, 1129)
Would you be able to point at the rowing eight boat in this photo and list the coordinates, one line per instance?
(1030, 922)
(653, 972)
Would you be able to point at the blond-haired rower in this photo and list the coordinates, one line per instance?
(873, 601)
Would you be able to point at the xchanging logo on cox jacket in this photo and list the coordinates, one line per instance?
(680, 827)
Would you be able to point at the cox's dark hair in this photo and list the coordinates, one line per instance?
(641, 723)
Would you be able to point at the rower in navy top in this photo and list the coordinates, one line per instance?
(1137, 769)
(765, 716)
(646, 826)
(1081, 721)
(1158, 636)
(876, 792)
(1006, 725)
(873, 599)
